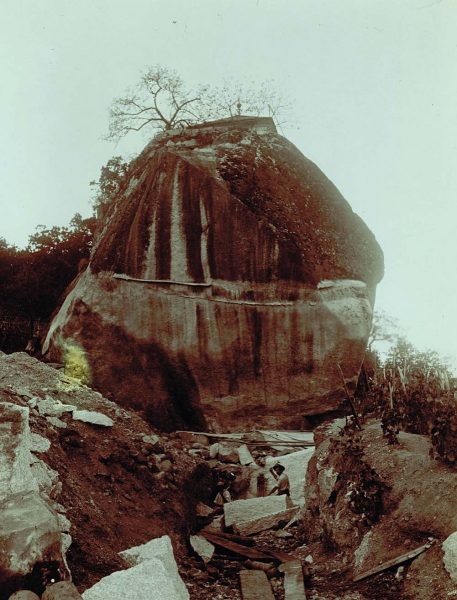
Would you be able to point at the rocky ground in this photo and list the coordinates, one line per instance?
(121, 484)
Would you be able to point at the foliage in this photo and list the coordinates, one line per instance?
(361, 487)
(161, 101)
(34, 278)
(413, 391)
(384, 328)
(112, 176)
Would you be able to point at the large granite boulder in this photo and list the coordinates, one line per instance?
(228, 285)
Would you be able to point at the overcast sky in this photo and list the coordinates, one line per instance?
(374, 91)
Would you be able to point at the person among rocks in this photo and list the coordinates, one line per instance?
(226, 478)
(282, 486)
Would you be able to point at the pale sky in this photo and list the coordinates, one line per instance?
(374, 91)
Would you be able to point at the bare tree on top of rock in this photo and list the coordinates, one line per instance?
(161, 101)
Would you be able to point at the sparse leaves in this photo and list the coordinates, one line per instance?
(161, 101)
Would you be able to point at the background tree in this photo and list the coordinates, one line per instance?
(161, 101)
(112, 176)
(384, 328)
(35, 278)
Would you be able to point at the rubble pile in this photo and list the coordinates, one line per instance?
(95, 504)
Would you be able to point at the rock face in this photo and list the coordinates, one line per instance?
(228, 281)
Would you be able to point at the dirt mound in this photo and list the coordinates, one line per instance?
(369, 502)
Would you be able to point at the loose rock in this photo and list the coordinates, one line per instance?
(92, 417)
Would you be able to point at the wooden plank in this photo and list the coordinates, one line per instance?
(393, 562)
(168, 281)
(248, 439)
(255, 585)
(251, 553)
(265, 522)
(239, 539)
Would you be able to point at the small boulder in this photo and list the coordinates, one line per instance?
(24, 595)
(153, 575)
(227, 454)
(63, 590)
(202, 547)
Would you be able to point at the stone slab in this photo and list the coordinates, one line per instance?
(255, 586)
(241, 511)
(294, 585)
(264, 523)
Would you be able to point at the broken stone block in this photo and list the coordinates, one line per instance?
(227, 454)
(263, 523)
(63, 590)
(241, 511)
(450, 555)
(296, 465)
(159, 549)
(92, 417)
(15, 457)
(202, 547)
(255, 585)
(214, 450)
(294, 585)
(148, 580)
(245, 457)
(29, 533)
(53, 408)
